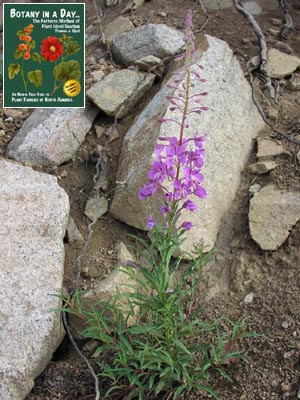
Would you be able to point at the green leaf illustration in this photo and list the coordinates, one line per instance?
(13, 70)
(71, 48)
(18, 54)
(35, 77)
(20, 32)
(64, 38)
(31, 44)
(36, 57)
(67, 70)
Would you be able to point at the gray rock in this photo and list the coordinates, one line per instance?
(92, 39)
(154, 39)
(217, 5)
(262, 167)
(298, 156)
(249, 298)
(51, 136)
(118, 92)
(230, 125)
(118, 25)
(74, 236)
(280, 64)
(254, 188)
(148, 62)
(272, 215)
(294, 83)
(252, 7)
(96, 207)
(269, 148)
(33, 220)
(271, 113)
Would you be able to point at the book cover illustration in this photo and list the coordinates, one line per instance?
(43, 55)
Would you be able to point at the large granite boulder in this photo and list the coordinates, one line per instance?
(33, 220)
(230, 125)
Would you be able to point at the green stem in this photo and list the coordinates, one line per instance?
(23, 76)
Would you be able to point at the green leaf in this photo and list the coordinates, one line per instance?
(18, 54)
(31, 44)
(67, 70)
(36, 57)
(71, 48)
(20, 32)
(35, 77)
(13, 70)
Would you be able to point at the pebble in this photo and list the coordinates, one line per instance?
(288, 354)
(95, 208)
(274, 32)
(249, 298)
(286, 387)
(254, 188)
(298, 393)
(2, 132)
(298, 156)
(285, 325)
(275, 21)
(262, 167)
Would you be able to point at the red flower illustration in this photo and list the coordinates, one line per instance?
(51, 48)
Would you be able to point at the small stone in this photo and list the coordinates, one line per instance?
(13, 113)
(91, 346)
(254, 188)
(286, 387)
(280, 64)
(162, 14)
(64, 174)
(99, 131)
(274, 32)
(269, 148)
(283, 47)
(289, 354)
(298, 156)
(294, 83)
(2, 132)
(272, 113)
(74, 236)
(298, 393)
(272, 215)
(147, 63)
(249, 298)
(275, 21)
(285, 325)
(98, 75)
(96, 207)
(262, 167)
(114, 136)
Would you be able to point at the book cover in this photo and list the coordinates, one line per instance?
(43, 55)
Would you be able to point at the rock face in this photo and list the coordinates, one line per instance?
(33, 220)
(157, 40)
(120, 91)
(230, 125)
(280, 64)
(51, 137)
(272, 215)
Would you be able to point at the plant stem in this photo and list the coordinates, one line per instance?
(23, 76)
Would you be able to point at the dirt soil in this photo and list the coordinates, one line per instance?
(273, 371)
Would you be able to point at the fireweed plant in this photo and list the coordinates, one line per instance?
(152, 339)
